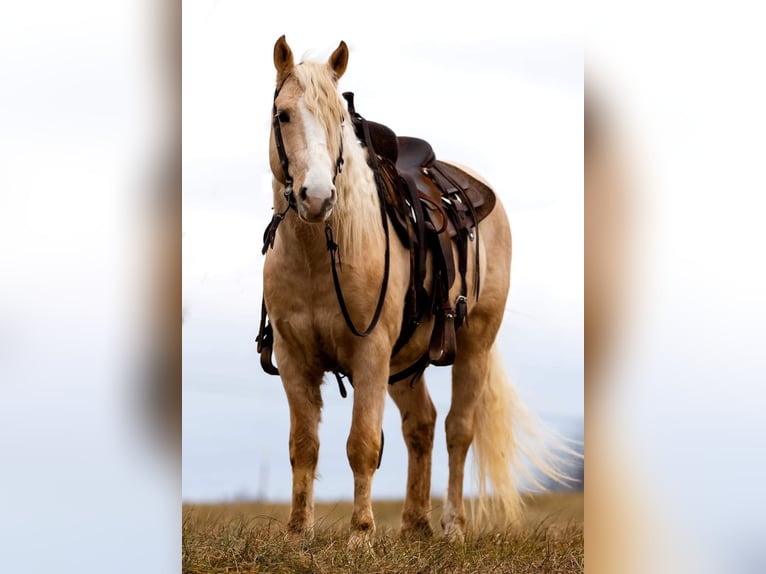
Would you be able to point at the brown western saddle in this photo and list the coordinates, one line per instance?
(433, 206)
(415, 161)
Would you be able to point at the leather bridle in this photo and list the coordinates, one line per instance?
(289, 193)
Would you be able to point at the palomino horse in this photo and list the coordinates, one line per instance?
(328, 169)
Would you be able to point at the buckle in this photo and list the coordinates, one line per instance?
(461, 308)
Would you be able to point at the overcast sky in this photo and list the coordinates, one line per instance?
(501, 92)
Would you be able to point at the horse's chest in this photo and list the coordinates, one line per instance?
(304, 308)
(308, 319)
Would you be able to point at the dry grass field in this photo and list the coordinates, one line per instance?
(250, 538)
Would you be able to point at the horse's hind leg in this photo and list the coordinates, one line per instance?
(305, 400)
(418, 421)
(468, 380)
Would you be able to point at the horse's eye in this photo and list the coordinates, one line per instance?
(283, 117)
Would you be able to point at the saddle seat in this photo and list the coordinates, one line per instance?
(444, 183)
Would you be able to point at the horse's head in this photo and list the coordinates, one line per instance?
(308, 115)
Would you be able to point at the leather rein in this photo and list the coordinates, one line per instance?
(266, 336)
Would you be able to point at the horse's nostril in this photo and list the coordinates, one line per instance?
(332, 193)
(302, 193)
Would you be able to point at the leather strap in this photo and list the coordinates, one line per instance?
(360, 124)
(335, 262)
(279, 141)
(473, 234)
(265, 342)
(443, 346)
(414, 370)
(445, 246)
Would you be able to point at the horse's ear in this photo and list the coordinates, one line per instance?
(283, 58)
(339, 60)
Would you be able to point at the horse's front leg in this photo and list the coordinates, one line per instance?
(305, 400)
(370, 376)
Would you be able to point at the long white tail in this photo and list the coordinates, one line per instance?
(509, 443)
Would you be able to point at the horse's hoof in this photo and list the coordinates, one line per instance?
(454, 533)
(420, 530)
(299, 535)
(361, 542)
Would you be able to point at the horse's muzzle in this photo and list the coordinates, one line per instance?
(313, 209)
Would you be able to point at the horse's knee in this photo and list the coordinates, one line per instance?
(304, 451)
(363, 452)
(419, 431)
(428, 414)
(420, 439)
